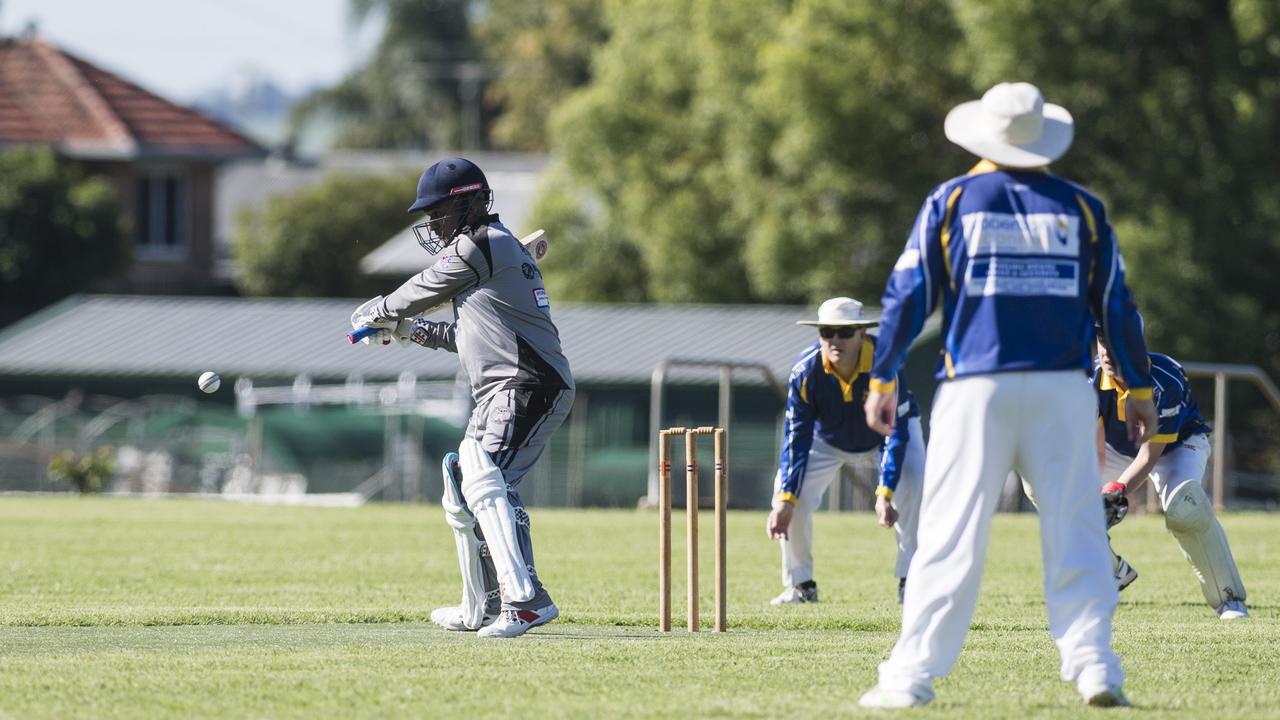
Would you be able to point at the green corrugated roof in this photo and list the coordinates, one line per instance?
(169, 337)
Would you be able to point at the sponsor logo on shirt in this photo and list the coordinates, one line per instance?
(993, 233)
(540, 298)
(1022, 276)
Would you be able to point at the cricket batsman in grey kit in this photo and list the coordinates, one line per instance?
(520, 380)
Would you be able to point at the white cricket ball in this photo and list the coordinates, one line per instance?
(209, 382)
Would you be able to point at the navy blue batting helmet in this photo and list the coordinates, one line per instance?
(453, 189)
(448, 178)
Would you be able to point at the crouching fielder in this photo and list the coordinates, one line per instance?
(523, 389)
(1174, 460)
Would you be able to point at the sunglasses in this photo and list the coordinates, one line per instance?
(844, 333)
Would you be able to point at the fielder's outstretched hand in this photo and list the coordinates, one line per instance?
(882, 411)
(1141, 419)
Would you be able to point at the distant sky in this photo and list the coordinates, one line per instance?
(181, 48)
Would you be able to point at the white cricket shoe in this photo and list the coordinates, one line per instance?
(1105, 696)
(805, 592)
(514, 622)
(450, 618)
(1233, 610)
(879, 697)
(1125, 574)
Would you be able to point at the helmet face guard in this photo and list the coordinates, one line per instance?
(434, 235)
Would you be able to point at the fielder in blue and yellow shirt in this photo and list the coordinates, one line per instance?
(826, 431)
(1021, 262)
(1174, 460)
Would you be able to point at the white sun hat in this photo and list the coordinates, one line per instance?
(1012, 126)
(842, 311)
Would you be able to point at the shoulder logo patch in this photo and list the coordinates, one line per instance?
(540, 298)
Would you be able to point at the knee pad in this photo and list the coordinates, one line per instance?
(1188, 509)
(481, 479)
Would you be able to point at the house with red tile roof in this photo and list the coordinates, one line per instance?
(161, 157)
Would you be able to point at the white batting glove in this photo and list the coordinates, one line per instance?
(363, 317)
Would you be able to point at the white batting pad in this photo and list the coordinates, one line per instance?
(485, 491)
(470, 550)
(1189, 516)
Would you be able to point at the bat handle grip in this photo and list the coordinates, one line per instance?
(361, 333)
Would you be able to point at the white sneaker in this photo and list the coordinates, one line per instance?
(805, 592)
(514, 622)
(1233, 610)
(1125, 574)
(878, 697)
(1106, 696)
(450, 618)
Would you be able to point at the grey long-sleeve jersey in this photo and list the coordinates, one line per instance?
(502, 328)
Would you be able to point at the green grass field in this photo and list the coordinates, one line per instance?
(169, 608)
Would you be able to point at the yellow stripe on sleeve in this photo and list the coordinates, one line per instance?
(1093, 232)
(1164, 439)
(788, 498)
(881, 386)
(884, 492)
(1142, 393)
(946, 234)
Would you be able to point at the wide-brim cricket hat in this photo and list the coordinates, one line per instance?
(1012, 126)
(842, 311)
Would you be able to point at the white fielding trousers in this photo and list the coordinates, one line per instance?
(1040, 424)
(823, 467)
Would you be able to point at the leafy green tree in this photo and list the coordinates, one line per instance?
(310, 244)
(409, 94)
(845, 143)
(59, 230)
(544, 49)
(768, 151)
(645, 142)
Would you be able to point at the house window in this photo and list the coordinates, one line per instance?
(163, 211)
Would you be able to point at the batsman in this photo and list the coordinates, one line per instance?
(520, 380)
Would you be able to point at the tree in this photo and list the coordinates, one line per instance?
(544, 51)
(645, 144)
(310, 244)
(773, 151)
(409, 93)
(844, 144)
(59, 230)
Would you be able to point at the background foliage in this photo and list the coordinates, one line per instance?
(59, 230)
(310, 244)
(777, 151)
